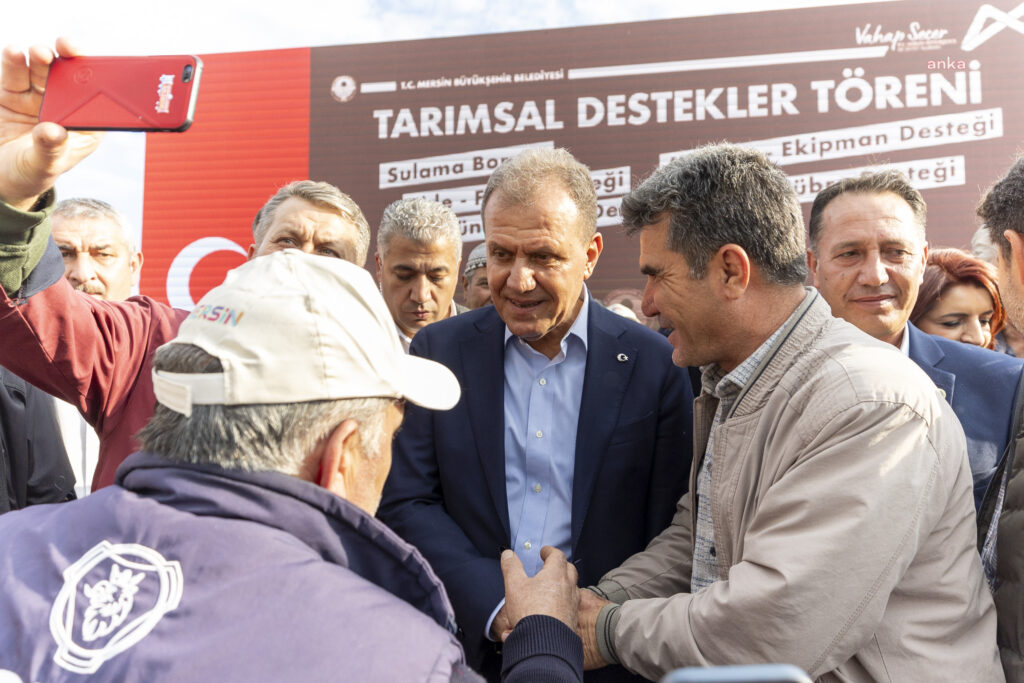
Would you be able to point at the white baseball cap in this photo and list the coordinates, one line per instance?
(292, 327)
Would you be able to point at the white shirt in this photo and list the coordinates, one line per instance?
(407, 340)
(81, 443)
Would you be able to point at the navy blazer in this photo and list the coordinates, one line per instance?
(446, 492)
(980, 385)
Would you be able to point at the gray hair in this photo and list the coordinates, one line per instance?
(879, 182)
(94, 209)
(724, 194)
(1002, 207)
(421, 220)
(520, 177)
(325, 196)
(277, 437)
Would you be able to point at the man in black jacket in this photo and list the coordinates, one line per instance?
(34, 467)
(1001, 517)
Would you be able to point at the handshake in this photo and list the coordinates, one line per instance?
(551, 592)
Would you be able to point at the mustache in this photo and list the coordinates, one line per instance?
(91, 288)
(885, 290)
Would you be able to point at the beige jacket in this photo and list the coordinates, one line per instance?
(844, 525)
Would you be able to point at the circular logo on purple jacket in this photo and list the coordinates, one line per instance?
(112, 597)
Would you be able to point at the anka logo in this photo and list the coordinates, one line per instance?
(112, 597)
(978, 32)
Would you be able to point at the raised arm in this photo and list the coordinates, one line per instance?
(32, 156)
(92, 353)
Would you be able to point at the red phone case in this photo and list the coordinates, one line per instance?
(122, 93)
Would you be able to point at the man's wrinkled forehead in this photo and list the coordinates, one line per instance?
(886, 216)
(90, 232)
(502, 201)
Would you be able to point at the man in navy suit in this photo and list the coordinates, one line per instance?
(867, 254)
(574, 426)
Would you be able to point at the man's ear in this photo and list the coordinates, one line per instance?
(338, 458)
(1016, 264)
(924, 265)
(812, 266)
(250, 254)
(380, 266)
(730, 267)
(135, 267)
(594, 249)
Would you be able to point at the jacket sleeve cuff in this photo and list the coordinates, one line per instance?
(607, 620)
(23, 239)
(542, 645)
(610, 589)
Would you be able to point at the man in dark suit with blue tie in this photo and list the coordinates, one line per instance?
(574, 426)
(867, 255)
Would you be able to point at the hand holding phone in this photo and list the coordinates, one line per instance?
(32, 154)
(122, 93)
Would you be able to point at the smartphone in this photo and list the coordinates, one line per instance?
(122, 93)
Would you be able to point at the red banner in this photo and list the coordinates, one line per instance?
(204, 187)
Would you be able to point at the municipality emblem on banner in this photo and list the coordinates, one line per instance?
(112, 597)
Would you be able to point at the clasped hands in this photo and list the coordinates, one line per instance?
(551, 592)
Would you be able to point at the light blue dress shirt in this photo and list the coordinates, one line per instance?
(542, 411)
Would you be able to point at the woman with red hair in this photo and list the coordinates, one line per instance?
(958, 299)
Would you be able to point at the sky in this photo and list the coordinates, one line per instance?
(129, 27)
(122, 27)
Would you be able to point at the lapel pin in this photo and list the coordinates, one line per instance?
(622, 358)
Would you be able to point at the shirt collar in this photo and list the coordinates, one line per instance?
(905, 343)
(577, 329)
(714, 380)
(407, 340)
(402, 337)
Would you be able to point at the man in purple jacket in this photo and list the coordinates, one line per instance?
(241, 544)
